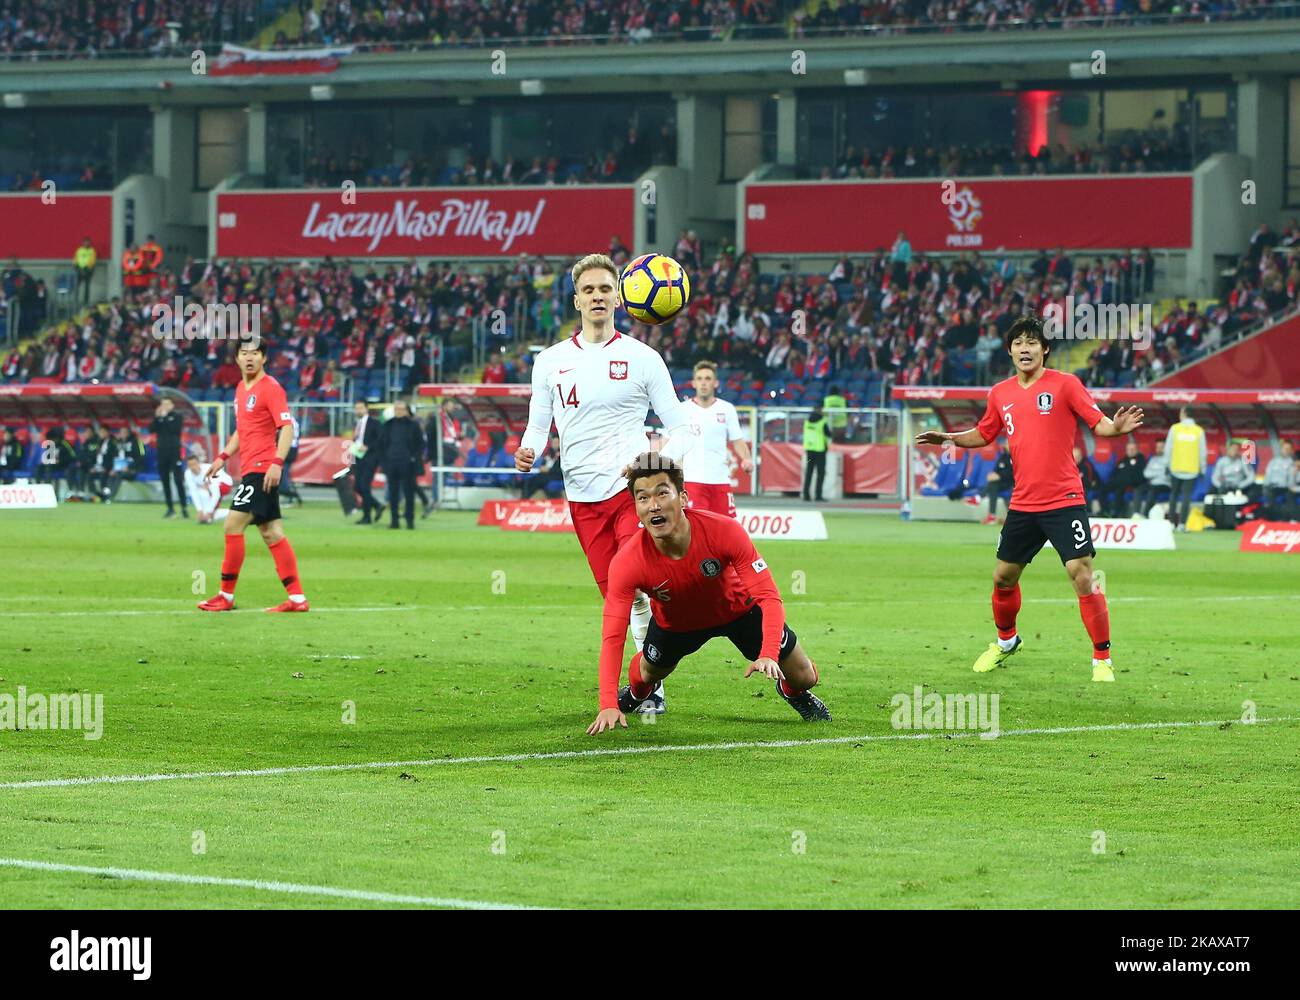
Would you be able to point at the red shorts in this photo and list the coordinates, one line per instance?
(602, 527)
(711, 496)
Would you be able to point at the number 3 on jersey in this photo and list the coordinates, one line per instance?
(571, 399)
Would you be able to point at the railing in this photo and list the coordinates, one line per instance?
(1229, 339)
(174, 49)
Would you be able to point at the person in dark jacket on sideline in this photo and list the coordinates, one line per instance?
(1127, 477)
(166, 427)
(128, 461)
(12, 454)
(401, 451)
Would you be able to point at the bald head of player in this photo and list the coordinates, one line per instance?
(595, 295)
(658, 488)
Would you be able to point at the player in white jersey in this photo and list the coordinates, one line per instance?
(707, 466)
(597, 387)
(205, 494)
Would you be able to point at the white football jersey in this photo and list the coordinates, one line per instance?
(598, 395)
(205, 497)
(709, 461)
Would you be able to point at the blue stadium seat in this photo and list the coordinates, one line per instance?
(978, 474)
(947, 479)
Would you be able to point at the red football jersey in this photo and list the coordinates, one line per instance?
(719, 579)
(260, 411)
(1040, 423)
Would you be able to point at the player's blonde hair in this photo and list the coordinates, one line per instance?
(702, 365)
(590, 263)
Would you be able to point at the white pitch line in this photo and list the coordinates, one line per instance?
(293, 888)
(188, 611)
(793, 602)
(510, 758)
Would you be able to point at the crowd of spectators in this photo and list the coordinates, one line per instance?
(854, 16)
(88, 28)
(23, 296)
(1266, 284)
(424, 22)
(89, 177)
(893, 316)
(1138, 155)
(325, 323)
(622, 163)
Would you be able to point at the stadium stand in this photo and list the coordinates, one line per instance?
(67, 29)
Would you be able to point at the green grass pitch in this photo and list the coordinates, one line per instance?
(457, 642)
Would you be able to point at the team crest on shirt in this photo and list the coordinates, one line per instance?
(711, 567)
(250, 403)
(1044, 402)
(618, 370)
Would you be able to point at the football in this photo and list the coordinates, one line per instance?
(654, 288)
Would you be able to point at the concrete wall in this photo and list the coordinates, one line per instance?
(139, 208)
(1221, 224)
(175, 144)
(671, 196)
(1261, 114)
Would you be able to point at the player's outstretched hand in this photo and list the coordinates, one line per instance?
(931, 437)
(524, 459)
(767, 667)
(1126, 419)
(607, 719)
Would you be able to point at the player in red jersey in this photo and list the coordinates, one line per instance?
(704, 580)
(263, 436)
(1039, 408)
(596, 387)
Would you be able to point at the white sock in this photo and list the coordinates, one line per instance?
(228, 597)
(1006, 644)
(640, 619)
(298, 598)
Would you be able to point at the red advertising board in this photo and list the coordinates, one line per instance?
(526, 515)
(1270, 536)
(37, 227)
(983, 213)
(867, 468)
(424, 222)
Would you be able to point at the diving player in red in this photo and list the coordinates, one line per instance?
(704, 580)
(263, 436)
(1039, 409)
